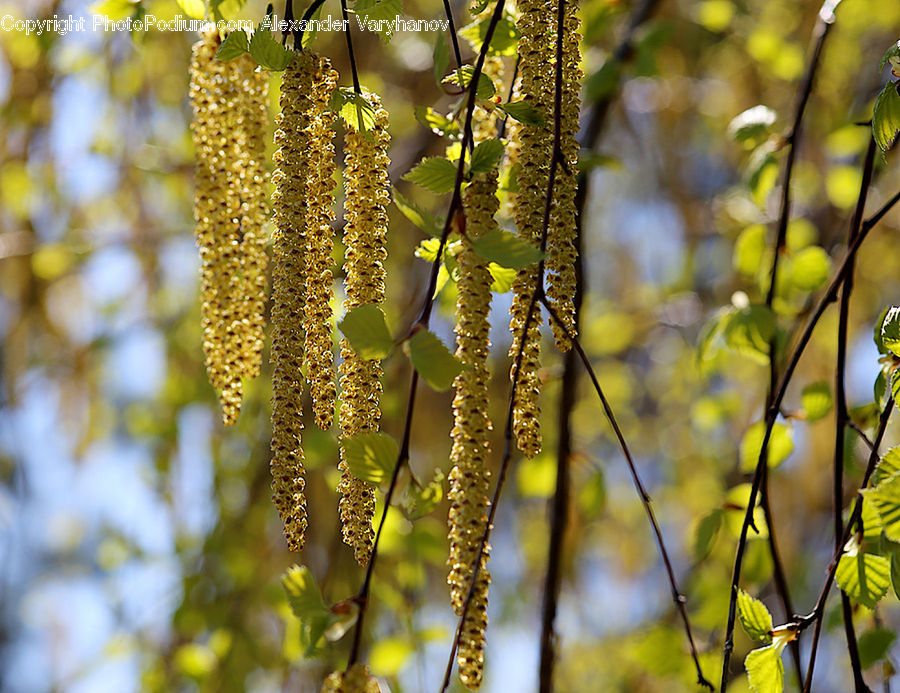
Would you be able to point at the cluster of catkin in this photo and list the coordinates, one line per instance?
(302, 313)
(228, 128)
(356, 679)
(534, 147)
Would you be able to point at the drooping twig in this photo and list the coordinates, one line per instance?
(350, 54)
(827, 298)
(421, 322)
(841, 414)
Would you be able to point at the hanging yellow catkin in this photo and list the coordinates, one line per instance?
(289, 205)
(367, 194)
(253, 88)
(357, 679)
(534, 148)
(561, 251)
(319, 320)
(217, 204)
(469, 479)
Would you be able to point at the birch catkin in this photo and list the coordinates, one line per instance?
(469, 479)
(561, 249)
(289, 204)
(216, 211)
(318, 322)
(367, 194)
(534, 148)
(253, 84)
(356, 679)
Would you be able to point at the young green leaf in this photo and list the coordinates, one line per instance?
(370, 456)
(234, 45)
(463, 77)
(765, 670)
(486, 156)
(380, 15)
(365, 329)
(892, 56)
(419, 216)
(303, 593)
(440, 56)
(755, 617)
(865, 577)
(890, 330)
(523, 111)
(816, 400)
(888, 467)
(749, 250)
(437, 123)
(886, 117)
(503, 42)
(506, 249)
(751, 124)
(503, 277)
(432, 360)
(874, 645)
(435, 173)
(810, 268)
(781, 445)
(269, 53)
(705, 534)
(421, 501)
(885, 499)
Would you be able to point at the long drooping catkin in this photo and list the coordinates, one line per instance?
(561, 250)
(253, 85)
(535, 148)
(217, 211)
(289, 205)
(367, 191)
(469, 479)
(318, 323)
(356, 679)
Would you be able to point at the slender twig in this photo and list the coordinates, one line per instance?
(853, 426)
(816, 617)
(841, 414)
(827, 298)
(679, 599)
(362, 598)
(451, 26)
(304, 22)
(351, 55)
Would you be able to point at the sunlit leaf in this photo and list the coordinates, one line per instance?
(486, 156)
(366, 330)
(506, 249)
(765, 670)
(752, 123)
(816, 400)
(435, 173)
(303, 592)
(755, 617)
(234, 45)
(432, 360)
(269, 53)
(874, 645)
(865, 577)
(370, 456)
(886, 117)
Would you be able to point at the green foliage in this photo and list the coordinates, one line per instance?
(267, 52)
(780, 447)
(354, 109)
(886, 117)
(890, 330)
(874, 645)
(885, 499)
(234, 45)
(503, 42)
(370, 456)
(463, 77)
(506, 249)
(752, 124)
(439, 124)
(816, 400)
(755, 618)
(523, 111)
(486, 156)
(865, 577)
(421, 501)
(380, 15)
(432, 360)
(765, 670)
(303, 592)
(419, 216)
(435, 173)
(368, 334)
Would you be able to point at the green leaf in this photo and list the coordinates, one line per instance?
(762, 171)
(503, 42)
(418, 215)
(810, 268)
(354, 109)
(440, 57)
(432, 360)
(421, 501)
(895, 572)
(748, 330)
(749, 249)
(816, 400)
(874, 645)
(536, 477)
(752, 124)
(506, 249)
(486, 156)
(381, 13)
(463, 77)
(435, 173)
(886, 117)
(303, 593)
(781, 445)
(523, 111)
(765, 670)
(890, 330)
(865, 577)
(365, 329)
(755, 617)
(370, 456)
(268, 52)
(503, 277)
(892, 56)
(234, 45)
(885, 499)
(437, 123)
(603, 82)
(705, 534)
(888, 467)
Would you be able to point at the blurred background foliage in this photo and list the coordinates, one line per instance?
(139, 546)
